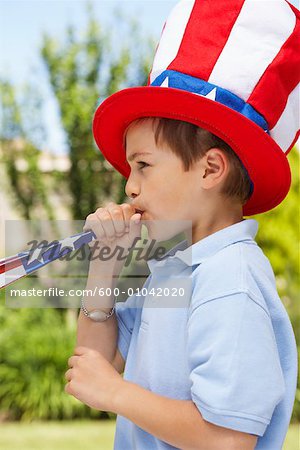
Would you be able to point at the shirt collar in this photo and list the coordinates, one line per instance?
(245, 230)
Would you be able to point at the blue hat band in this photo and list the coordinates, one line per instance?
(197, 86)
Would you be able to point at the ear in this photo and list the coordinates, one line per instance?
(214, 168)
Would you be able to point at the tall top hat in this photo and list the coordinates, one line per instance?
(231, 67)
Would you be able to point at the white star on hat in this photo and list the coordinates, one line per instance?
(211, 95)
(165, 83)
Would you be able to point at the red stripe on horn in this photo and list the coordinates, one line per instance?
(204, 38)
(270, 95)
(9, 264)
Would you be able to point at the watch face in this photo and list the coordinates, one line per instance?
(97, 315)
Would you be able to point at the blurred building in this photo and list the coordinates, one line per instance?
(48, 162)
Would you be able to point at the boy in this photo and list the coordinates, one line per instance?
(219, 373)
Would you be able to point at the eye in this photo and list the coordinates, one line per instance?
(143, 164)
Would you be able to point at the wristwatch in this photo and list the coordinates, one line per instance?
(97, 315)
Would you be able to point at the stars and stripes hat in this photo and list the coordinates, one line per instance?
(231, 67)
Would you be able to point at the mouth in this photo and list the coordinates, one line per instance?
(139, 211)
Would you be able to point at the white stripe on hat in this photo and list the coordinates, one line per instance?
(250, 48)
(12, 275)
(287, 126)
(171, 38)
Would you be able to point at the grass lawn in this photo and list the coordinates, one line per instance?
(74, 435)
(79, 435)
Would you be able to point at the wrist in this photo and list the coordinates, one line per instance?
(106, 270)
(100, 267)
(121, 396)
(102, 298)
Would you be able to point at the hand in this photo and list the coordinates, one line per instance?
(114, 226)
(92, 379)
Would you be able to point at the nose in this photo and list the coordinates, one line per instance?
(131, 188)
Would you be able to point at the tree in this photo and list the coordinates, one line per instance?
(27, 185)
(82, 71)
(76, 73)
(279, 236)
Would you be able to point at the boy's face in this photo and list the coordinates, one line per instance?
(159, 186)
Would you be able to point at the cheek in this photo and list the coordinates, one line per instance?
(167, 192)
(175, 193)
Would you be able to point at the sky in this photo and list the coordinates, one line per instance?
(22, 23)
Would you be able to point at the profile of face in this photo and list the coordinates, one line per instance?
(158, 184)
(175, 200)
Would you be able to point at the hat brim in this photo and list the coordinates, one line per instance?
(266, 163)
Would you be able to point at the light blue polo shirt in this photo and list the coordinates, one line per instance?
(227, 345)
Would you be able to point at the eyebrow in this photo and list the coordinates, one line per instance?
(132, 157)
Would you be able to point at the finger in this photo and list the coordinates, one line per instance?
(128, 212)
(118, 219)
(72, 361)
(80, 350)
(135, 226)
(69, 375)
(107, 223)
(94, 224)
(68, 388)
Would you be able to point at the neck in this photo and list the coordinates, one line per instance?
(215, 219)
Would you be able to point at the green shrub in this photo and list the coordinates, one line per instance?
(35, 345)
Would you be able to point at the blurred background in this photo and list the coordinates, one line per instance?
(58, 61)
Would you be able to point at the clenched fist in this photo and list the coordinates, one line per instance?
(92, 379)
(114, 226)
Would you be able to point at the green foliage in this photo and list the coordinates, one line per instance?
(279, 234)
(279, 238)
(80, 71)
(35, 347)
(27, 185)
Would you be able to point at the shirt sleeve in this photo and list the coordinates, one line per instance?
(235, 371)
(126, 313)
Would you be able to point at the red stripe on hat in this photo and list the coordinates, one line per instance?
(205, 36)
(270, 96)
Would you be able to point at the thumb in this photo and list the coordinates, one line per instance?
(135, 226)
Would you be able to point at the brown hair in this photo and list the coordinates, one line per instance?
(190, 143)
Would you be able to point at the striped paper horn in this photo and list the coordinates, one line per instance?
(18, 266)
